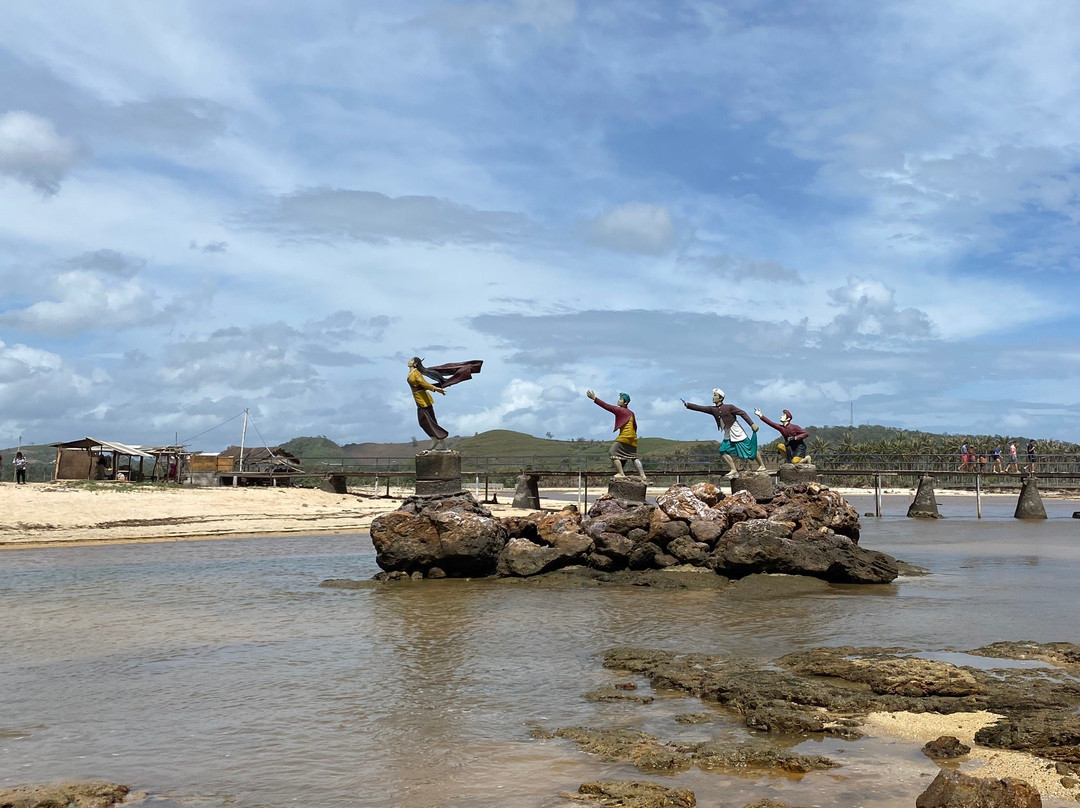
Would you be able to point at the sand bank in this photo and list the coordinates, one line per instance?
(984, 762)
(41, 514)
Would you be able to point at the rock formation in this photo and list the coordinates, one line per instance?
(805, 529)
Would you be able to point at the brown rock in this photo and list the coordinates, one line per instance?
(740, 507)
(952, 789)
(81, 794)
(945, 747)
(707, 493)
(633, 794)
(708, 530)
(680, 502)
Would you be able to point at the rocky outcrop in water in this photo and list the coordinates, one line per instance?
(454, 535)
(78, 794)
(650, 754)
(633, 794)
(806, 529)
(945, 747)
(829, 690)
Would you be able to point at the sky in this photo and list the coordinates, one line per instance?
(842, 208)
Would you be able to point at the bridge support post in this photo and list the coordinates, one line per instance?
(925, 504)
(1030, 504)
(527, 493)
(877, 495)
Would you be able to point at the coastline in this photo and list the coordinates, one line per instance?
(39, 515)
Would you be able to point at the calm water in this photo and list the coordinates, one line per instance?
(218, 673)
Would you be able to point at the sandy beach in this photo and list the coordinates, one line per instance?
(42, 514)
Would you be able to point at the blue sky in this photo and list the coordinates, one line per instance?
(212, 206)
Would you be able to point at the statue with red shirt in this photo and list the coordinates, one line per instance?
(794, 436)
(625, 445)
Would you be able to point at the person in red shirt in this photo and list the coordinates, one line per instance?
(794, 436)
(625, 445)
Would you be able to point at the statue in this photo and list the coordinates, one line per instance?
(444, 376)
(625, 445)
(736, 442)
(794, 437)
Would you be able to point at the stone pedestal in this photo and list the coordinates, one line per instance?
(795, 473)
(438, 474)
(629, 489)
(760, 486)
(334, 484)
(527, 493)
(1030, 504)
(925, 504)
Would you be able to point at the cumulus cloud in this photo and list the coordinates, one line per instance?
(869, 310)
(102, 290)
(635, 227)
(33, 152)
(335, 213)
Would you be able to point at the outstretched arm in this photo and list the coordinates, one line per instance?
(765, 418)
(698, 407)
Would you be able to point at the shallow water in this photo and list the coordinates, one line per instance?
(219, 672)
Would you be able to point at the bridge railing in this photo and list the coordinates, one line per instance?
(705, 464)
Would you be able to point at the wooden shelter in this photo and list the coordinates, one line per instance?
(93, 459)
(263, 459)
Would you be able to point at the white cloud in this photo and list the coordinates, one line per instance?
(634, 227)
(32, 151)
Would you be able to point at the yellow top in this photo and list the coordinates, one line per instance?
(628, 434)
(420, 387)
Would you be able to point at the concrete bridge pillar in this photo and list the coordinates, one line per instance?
(1030, 504)
(925, 504)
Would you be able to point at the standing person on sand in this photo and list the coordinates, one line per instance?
(20, 469)
(625, 445)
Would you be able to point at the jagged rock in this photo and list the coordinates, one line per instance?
(624, 743)
(885, 673)
(623, 520)
(643, 556)
(669, 531)
(740, 507)
(615, 545)
(633, 794)
(709, 530)
(680, 502)
(523, 558)
(945, 748)
(763, 546)
(80, 794)
(720, 755)
(1056, 653)
(688, 551)
(637, 535)
(455, 534)
(707, 493)
(1053, 734)
(603, 563)
(953, 789)
(825, 507)
(612, 693)
(664, 560)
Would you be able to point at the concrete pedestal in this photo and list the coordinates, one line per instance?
(334, 484)
(438, 474)
(1030, 504)
(925, 503)
(793, 474)
(760, 486)
(629, 489)
(527, 493)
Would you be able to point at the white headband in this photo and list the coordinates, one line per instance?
(718, 392)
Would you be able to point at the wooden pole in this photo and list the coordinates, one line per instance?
(978, 496)
(877, 496)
